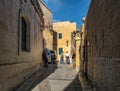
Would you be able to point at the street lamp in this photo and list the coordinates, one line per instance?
(51, 30)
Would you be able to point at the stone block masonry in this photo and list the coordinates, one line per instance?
(48, 20)
(17, 65)
(103, 27)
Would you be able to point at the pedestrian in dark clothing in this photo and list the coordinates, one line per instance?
(45, 59)
(73, 60)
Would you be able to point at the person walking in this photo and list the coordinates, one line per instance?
(67, 58)
(73, 61)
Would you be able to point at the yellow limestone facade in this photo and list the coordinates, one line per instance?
(48, 21)
(78, 43)
(64, 30)
(82, 51)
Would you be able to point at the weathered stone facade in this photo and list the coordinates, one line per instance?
(55, 41)
(48, 20)
(17, 65)
(65, 28)
(103, 27)
(83, 47)
(73, 42)
(75, 47)
(78, 43)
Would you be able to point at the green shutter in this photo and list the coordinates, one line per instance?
(60, 50)
(60, 35)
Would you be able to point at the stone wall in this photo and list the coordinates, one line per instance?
(17, 65)
(82, 46)
(78, 42)
(66, 28)
(48, 20)
(103, 65)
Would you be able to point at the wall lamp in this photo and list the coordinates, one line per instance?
(67, 42)
(50, 29)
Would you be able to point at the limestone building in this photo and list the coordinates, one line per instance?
(83, 47)
(103, 36)
(73, 38)
(77, 48)
(48, 25)
(21, 41)
(64, 30)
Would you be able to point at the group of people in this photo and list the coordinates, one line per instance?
(62, 57)
(67, 57)
(48, 56)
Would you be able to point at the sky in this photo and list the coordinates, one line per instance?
(68, 10)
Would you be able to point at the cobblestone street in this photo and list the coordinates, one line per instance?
(64, 78)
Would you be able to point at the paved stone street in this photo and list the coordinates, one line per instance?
(64, 78)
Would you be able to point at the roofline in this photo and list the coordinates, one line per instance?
(64, 22)
(45, 5)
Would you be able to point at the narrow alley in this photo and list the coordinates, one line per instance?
(61, 77)
(59, 45)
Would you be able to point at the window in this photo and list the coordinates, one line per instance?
(60, 35)
(25, 35)
(60, 50)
